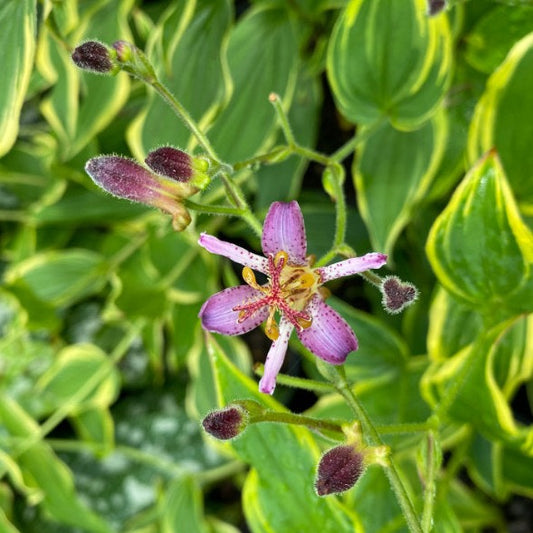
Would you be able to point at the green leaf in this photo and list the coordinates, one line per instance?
(452, 326)
(479, 248)
(262, 58)
(495, 34)
(60, 277)
(371, 79)
(503, 119)
(470, 377)
(186, 46)
(17, 48)
(392, 172)
(45, 471)
(278, 494)
(73, 369)
(182, 504)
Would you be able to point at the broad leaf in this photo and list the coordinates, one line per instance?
(479, 248)
(371, 78)
(389, 186)
(262, 58)
(503, 120)
(17, 48)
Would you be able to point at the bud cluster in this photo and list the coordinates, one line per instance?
(174, 175)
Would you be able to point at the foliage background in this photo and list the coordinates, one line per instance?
(104, 370)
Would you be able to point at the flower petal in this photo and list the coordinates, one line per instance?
(275, 357)
(233, 252)
(329, 336)
(351, 266)
(217, 313)
(284, 230)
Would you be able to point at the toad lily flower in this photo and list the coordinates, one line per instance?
(293, 291)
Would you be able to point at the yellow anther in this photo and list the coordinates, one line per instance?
(249, 276)
(281, 256)
(306, 280)
(304, 322)
(271, 328)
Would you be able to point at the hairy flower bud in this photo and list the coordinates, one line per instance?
(178, 165)
(435, 6)
(339, 469)
(127, 179)
(397, 294)
(93, 56)
(226, 423)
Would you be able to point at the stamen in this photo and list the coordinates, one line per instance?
(249, 276)
(304, 322)
(271, 328)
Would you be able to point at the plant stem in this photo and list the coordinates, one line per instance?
(314, 424)
(430, 489)
(392, 473)
(184, 115)
(298, 383)
(214, 209)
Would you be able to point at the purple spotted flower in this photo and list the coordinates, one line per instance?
(293, 292)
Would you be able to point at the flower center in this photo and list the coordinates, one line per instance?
(288, 291)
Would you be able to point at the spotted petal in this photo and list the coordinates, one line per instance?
(284, 230)
(275, 357)
(329, 336)
(235, 253)
(217, 313)
(351, 266)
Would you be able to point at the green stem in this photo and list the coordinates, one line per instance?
(298, 383)
(298, 420)
(214, 209)
(395, 429)
(430, 489)
(275, 100)
(392, 473)
(183, 114)
(360, 137)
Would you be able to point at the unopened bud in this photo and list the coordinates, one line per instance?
(178, 165)
(397, 294)
(226, 423)
(339, 469)
(127, 179)
(94, 56)
(435, 6)
(133, 61)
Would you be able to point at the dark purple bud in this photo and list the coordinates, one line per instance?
(226, 423)
(435, 6)
(171, 162)
(93, 56)
(397, 295)
(338, 470)
(123, 177)
(127, 179)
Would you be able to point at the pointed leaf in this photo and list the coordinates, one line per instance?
(371, 79)
(262, 58)
(503, 119)
(479, 247)
(392, 172)
(17, 47)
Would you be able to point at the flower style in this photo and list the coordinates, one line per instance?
(293, 290)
